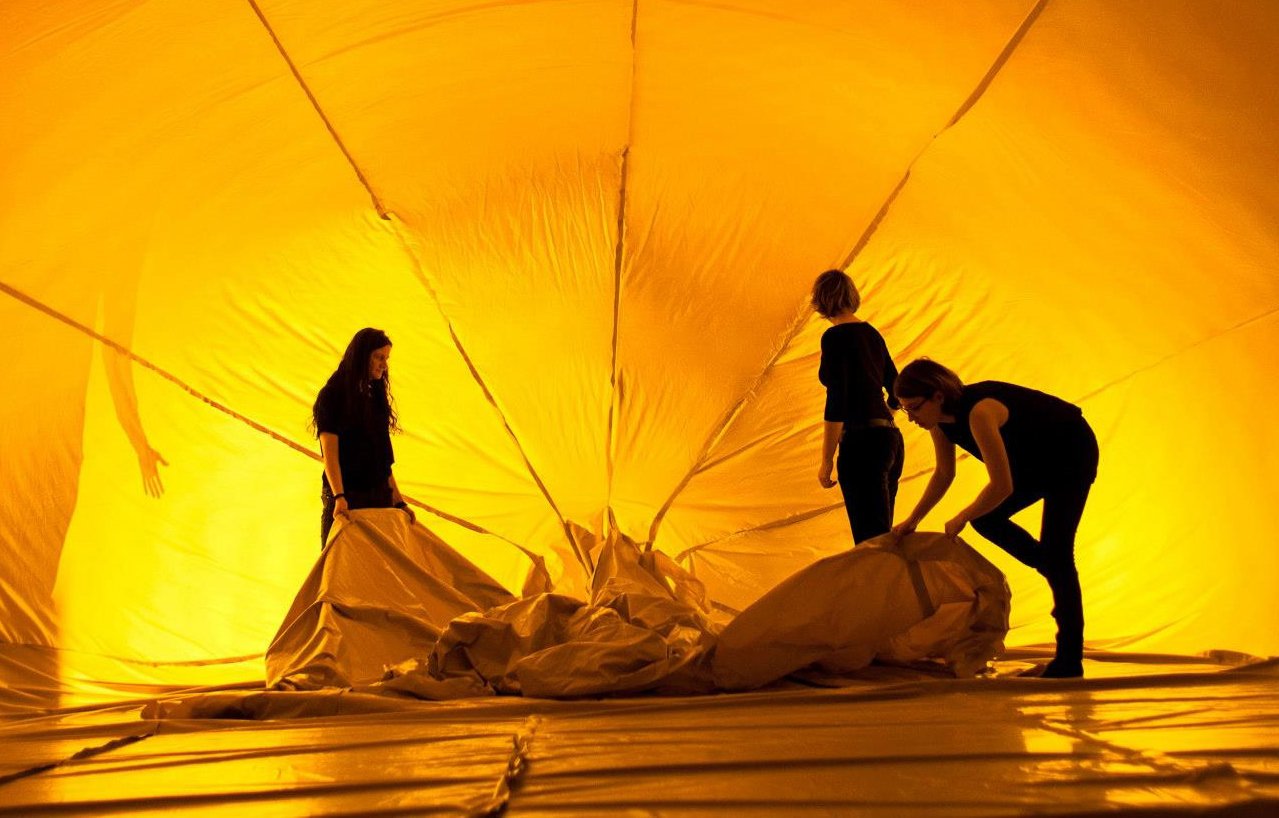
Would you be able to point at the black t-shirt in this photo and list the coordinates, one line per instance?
(1041, 435)
(364, 443)
(856, 369)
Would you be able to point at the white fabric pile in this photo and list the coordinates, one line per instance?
(391, 607)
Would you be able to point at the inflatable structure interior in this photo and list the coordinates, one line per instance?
(590, 228)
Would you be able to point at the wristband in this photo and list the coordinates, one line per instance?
(341, 494)
(401, 504)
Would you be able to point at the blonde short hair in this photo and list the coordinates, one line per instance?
(833, 293)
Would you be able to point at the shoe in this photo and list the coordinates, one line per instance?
(1060, 668)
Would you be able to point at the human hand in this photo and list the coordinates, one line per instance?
(341, 509)
(955, 525)
(903, 528)
(824, 475)
(407, 509)
(149, 462)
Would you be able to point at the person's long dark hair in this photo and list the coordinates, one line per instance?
(351, 379)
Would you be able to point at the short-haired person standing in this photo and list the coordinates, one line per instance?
(1035, 447)
(353, 416)
(857, 370)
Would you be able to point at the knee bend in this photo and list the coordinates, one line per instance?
(989, 527)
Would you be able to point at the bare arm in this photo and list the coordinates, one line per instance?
(831, 434)
(938, 484)
(985, 421)
(119, 371)
(118, 310)
(398, 499)
(333, 470)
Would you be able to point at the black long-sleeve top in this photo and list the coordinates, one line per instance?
(856, 370)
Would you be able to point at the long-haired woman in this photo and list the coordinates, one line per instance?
(353, 417)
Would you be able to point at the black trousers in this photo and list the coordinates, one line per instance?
(355, 498)
(1053, 554)
(870, 464)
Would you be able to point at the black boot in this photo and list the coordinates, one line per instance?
(1063, 668)
(1068, 611)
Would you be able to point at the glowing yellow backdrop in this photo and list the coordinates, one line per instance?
(589, 227)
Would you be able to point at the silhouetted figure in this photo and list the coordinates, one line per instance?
(42, 443)
(856, 369)
(353, 418)
(1035, 447)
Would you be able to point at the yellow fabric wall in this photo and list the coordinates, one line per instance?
(589, 227)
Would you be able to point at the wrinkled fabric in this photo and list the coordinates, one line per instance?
(380, 593)
(642, 630)
(391, 608)
(925, 597)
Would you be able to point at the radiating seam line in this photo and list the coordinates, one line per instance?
(516, 766)
(1193, 345)
(71, 322)
(804, 314)
(726, 422)
(962, 456)
(775, 438)
(87, 752)
(315, 103)
(420, 273)
(964, 107)
(614, 407)
(783, 522)
(253, 424)
(998, 65)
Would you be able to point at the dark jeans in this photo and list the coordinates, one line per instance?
(870, 465)
(1053, 554)
(355, 498)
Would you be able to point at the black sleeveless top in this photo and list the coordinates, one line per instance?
(1047, 439)
(856, 369)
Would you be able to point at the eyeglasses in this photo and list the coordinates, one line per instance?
(914, 409)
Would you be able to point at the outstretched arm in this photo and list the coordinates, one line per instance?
(938, 484)
(119, 371)
(398, 499)
(985, 421)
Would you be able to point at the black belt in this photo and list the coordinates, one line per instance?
(873, 423)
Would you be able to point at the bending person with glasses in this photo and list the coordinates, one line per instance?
(857, 370)
(1035, 447)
